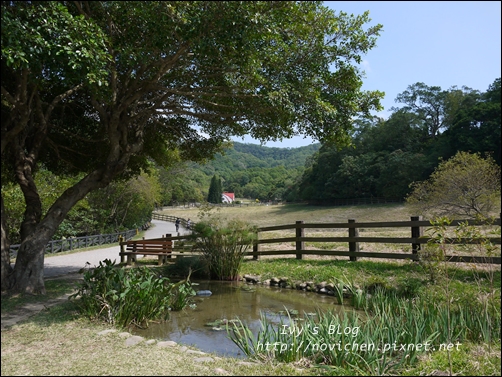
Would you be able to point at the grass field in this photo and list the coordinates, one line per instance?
(58, 341)
(270, 215)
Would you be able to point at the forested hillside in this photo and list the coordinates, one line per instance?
(248, 170)
(385, 157)
(388, 155)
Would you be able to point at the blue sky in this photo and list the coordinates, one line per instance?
(439, 43)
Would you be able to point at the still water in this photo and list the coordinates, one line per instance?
(233, 300)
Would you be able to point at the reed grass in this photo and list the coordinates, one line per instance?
(223, 246)
(390, 334)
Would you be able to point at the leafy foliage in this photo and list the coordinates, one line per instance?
(120, 206)
(31, 39)
(388, 155)
(223, 246)
(130, 296)
(465, 185)
(104, 88)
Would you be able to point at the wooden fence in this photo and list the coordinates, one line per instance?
(172, 219)
(72, 243)
(353, 239)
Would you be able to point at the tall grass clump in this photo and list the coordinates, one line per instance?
(223, 246)
(488, 298)
(386, 337)
(483, 322)
(125, 297)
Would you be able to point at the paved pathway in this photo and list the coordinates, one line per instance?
(69, 265)
(64, 264)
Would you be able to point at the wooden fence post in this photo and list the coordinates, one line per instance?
(353, 246)
(300, 245)
(168, 246)
(416, 232)
(122, 249)
(256, 246)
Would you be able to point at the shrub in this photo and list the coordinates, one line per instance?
(464, 185)
(223, 246)
(130, 296)
(183, 266)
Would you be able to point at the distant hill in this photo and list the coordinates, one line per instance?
(248, 170)
(247, 156)
(288, 157)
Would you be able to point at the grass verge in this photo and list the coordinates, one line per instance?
(58, 341)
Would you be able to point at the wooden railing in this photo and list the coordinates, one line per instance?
(172, 219)
(354, 240)
(73, 243)
(164, 248)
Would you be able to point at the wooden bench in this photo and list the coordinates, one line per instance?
(131, 256)
(163, 248)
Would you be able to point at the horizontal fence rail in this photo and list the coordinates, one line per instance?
(58, 246)
(357, 201)
(183, 222)
(353, 240)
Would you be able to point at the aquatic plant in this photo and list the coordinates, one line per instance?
(223, 246)
(129, 296)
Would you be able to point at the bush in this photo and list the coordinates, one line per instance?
(182, 267)
(223, 246)
(130, 296)
(464, 185)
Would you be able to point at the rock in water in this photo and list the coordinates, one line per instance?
(204, 293)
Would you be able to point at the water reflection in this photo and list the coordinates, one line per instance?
(231, 300)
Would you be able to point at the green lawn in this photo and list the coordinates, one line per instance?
(59, 341)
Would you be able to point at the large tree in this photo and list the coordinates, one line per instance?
(434, 107)
(477, 125)
(181, 78)
(464, 185)
(48, 56)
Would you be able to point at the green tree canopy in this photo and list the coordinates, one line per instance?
(477, 125)
(466, 185)
(433, 106)
(386, 156)
(119, 83)
(215, 190)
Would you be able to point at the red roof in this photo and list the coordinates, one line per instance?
(229, 195)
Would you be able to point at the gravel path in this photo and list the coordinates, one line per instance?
(71, 263)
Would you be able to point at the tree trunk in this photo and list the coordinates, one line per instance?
(6, 268)
(28, 274)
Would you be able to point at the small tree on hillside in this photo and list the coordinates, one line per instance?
(215, 191)
(466, 184)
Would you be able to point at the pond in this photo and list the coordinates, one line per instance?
(198, 326)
